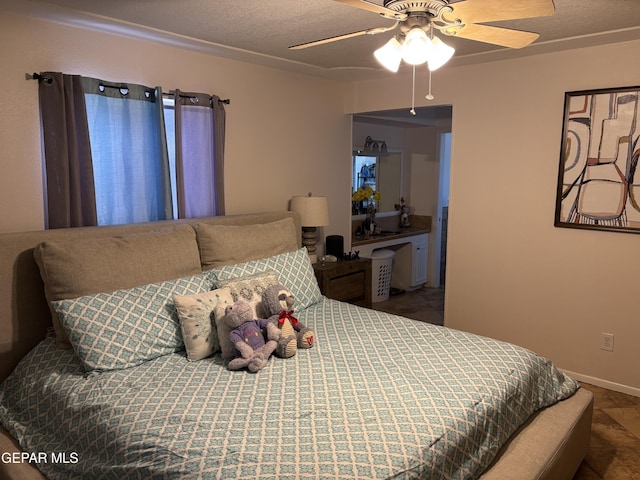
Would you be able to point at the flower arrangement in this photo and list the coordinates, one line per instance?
(367, 193)
(371, 197)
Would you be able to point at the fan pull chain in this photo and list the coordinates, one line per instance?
(429, 96)
(413, 93)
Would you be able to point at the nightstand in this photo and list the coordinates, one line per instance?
(347, 281)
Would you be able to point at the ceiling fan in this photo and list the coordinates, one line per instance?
(418, 19)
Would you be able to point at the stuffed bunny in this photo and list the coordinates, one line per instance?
(277, 302)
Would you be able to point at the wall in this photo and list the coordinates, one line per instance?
(392, 136)
(286, 134)
(422, 148)
(510, 273)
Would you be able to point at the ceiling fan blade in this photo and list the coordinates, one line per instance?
(371, 31)
(328, 40)
(504, 37)
(479, 11)
(372, 7)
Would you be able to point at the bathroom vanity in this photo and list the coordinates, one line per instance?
(411, 246)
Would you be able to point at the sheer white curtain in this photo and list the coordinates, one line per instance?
(129, 150)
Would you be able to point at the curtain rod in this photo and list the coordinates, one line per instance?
(226, 101)
(36, 76)
(49, 80)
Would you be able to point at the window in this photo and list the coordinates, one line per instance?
(168, 103)
(129, 153)
(121, 153)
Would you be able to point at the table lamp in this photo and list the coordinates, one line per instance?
(314, 212)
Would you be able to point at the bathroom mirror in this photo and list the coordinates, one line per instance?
(383, 173)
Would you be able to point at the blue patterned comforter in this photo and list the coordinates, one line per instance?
(378, 396)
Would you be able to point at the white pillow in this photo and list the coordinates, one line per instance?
(250, 289)
(197, 321)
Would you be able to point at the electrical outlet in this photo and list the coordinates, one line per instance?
(607, 342)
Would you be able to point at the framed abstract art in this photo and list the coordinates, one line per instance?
(598, 178)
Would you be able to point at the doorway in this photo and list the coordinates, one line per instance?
(425, 140)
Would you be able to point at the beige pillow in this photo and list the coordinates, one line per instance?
(231, 244)
(86, 266)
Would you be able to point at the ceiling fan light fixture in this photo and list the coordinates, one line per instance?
(441, 53)
(390, 55)
(417, 47)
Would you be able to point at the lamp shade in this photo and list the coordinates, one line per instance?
(390, 55)
(440, 54)
(417, 47)
(313, 211)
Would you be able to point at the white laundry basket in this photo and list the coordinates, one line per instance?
(381, 263)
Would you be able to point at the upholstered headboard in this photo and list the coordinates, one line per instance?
(24, 313)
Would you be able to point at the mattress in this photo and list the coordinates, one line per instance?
(378, 396)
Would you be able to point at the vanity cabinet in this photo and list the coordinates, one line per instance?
(410, 261)
(410, 264)
(420, 253)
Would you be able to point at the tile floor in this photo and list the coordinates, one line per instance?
(425, 304)
(614, 450)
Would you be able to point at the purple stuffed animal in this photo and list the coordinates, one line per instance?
(247, 336)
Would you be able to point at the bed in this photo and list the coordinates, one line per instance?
(377, 396)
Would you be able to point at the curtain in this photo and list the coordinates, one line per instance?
(199, 150)
(129, 151)
(106, 152)
(69, 185)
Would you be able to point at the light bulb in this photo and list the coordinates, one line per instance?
(417, 47)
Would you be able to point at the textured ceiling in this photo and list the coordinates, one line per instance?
(260, 31)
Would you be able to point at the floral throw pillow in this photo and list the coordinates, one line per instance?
(197, 321)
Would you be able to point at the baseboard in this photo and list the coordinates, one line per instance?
(599, 382)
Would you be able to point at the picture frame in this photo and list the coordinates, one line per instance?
(598, 177)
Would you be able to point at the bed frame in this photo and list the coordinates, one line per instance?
(550, 445)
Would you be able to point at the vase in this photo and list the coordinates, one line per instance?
(371, 217)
